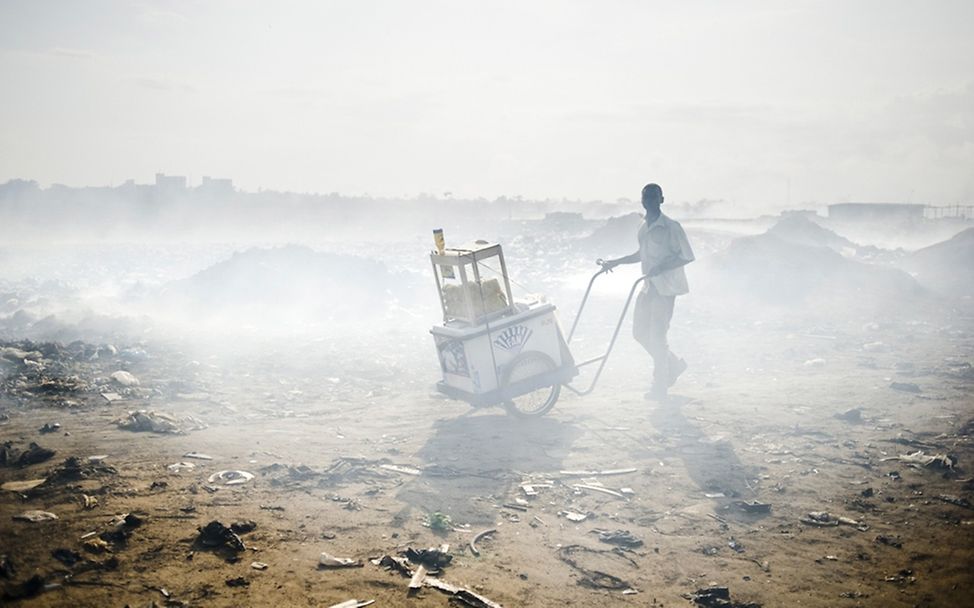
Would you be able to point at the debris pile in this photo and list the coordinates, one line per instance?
(145, 421)
(945, 267)
(60, 374)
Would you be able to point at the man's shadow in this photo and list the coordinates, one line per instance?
(474, 461)
(711, 463)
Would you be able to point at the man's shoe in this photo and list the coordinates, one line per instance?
(676, 370)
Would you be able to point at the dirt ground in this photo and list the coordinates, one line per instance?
(753, 420)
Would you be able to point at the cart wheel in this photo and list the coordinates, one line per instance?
(538, 402)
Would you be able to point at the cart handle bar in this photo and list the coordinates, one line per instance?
(615, 334)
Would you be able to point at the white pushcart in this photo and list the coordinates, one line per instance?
(494, 351)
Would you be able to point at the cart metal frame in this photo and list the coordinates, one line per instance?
(602, 359)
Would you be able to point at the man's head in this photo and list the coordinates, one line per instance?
(652, 198)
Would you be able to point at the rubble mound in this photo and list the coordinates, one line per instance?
(800, 230)
(782, 272)
(290, 282)
(616, 236)
(947, 266)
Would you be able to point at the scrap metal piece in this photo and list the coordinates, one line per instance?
(461, 594)
(612, 493)
(417, 580)
(400, 469)
(477, 537)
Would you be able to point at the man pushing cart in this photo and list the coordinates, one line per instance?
(494, 351)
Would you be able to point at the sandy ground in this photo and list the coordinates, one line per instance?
(752, 420)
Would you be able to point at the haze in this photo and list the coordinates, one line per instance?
(765, 105)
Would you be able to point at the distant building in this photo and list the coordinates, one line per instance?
(170, 182)
(876, 212)
(216, 185)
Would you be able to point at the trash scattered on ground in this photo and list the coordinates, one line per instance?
(573, 516)
(237, 582)
(717, 597)
(326, 560)
(178, 467)
(258, 565)
(735, 545)
(76, 469)
(623, 538)
(66, 556)
(88, 502)
(435, 558)
(599, 489)
(231, 478)
(460, 594)
(595, 579)
(906, 387)
(438, 522)
(243, 526)
(399, 564)
(902, 577)
(148, 422)
(352, 604)
(124, 378)
(35, 516)
(401, 469)
(197, 456)
(22, 486)
(49, 428)
(215, 534)
(754, 506)
(416, 582)
(111, 397)
(34, 454)
(937, 461)
(825, 519)
(477, 537)
(96, 545)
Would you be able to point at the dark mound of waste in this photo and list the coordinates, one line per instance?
(800, 230)
(266, 285)
(776, 271)
(947, 266)
(617, 236)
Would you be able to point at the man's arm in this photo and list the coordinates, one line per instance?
(608, 265)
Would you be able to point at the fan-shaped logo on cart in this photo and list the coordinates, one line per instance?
(513, 338)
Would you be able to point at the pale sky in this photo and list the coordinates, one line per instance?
(831, 101)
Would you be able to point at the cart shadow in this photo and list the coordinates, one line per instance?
(711, 463)
(475, 460)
